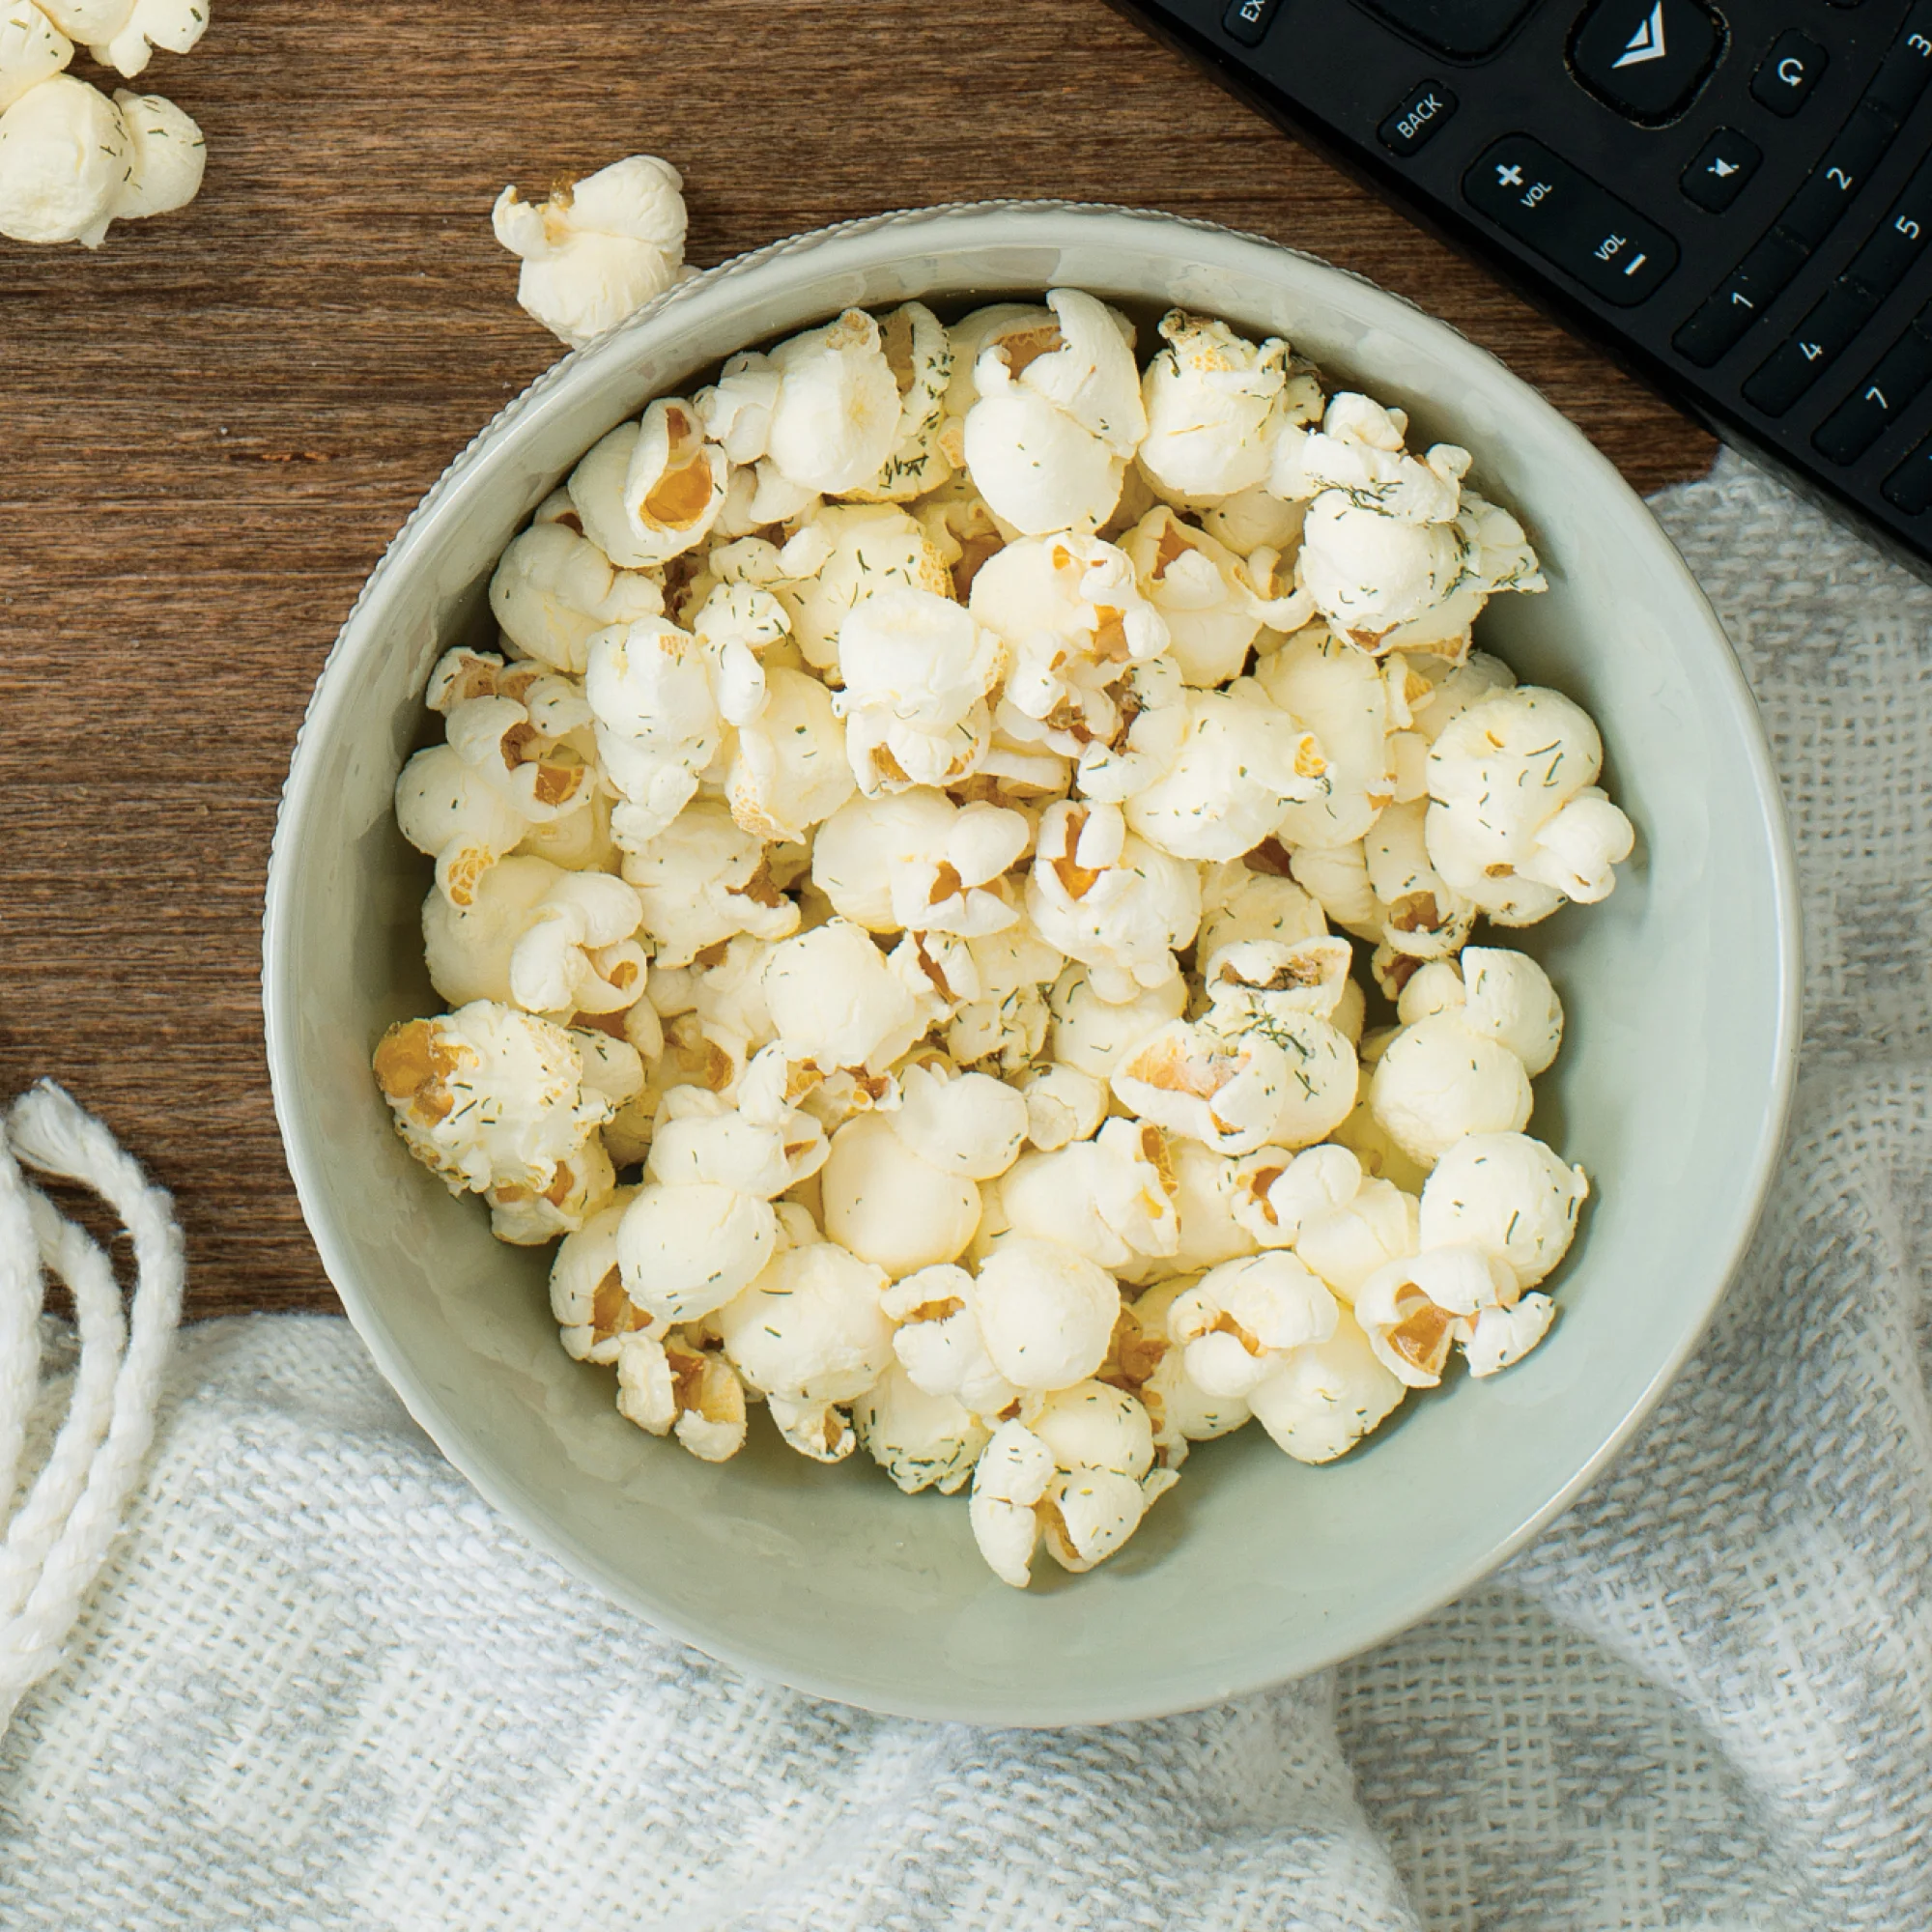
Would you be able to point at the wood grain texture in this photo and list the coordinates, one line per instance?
(210, 429)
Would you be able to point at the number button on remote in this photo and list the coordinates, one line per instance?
(1907, 67)
(1820, 339)
(1724, 165)
(1910, 485)
(1889, 256)
(1788, 72)
(1727, 319)
(1863, 417)
(1646, 58)
(1716, 329)
(1568, 221)
(1813, 212)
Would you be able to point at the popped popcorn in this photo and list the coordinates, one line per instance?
(1239, 765)
(917, 671)
(1058, 415)
(888, 1206)
(885, 892)
(674, 483)
(922, 1441)
(32, 49)
(834, 1001)
(586, 1288)
(486, 1095)
(1242, 1321)
(1395, 554)
(1214, 407)
(808, 1334)
(1337, 694)
(849, 553)
(122, 34)
(1508, 1195)
(73, 161)
(1517, 821)
(553, 589)
(667, 1386)
(1074, 624)
(1109, 900)
(1413, 1310)
(835, 417)
(1205, 1192)
(1080, 1477)
(920, 355)
(939, 1342)
(1325, 1396)
(1107, 1198)
(703, 879)
(538, 937)
(1212, 602)
(1439, 1079)
(1154, 1368)
(599, 248)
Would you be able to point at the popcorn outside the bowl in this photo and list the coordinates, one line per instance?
(73, 161)
(32, 49)
(120, 34)
(597, 249)
(886, 881)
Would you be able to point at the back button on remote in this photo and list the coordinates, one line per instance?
(1417, 119)
(1567, 219)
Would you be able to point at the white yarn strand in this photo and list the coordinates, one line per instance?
(55, 1546)
(71, 1255)
(20, 1298)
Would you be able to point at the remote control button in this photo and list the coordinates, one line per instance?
(1467, 29)
(1813, 212)
(1247, 20)
(1727, 319)
(1909, 486)
(1907, 66)
(1568, 221)
(1771, 267)
(1715, 330)
(1889, 255)
(1863, 417)
(1819, 340)
(1646, 58)
(1412, 125)
(1724, 165)
(1788, 72)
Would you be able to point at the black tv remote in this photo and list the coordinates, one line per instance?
(1734, 199)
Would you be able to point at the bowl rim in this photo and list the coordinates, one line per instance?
(872, 242)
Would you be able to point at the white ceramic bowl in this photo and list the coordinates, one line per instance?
(1671, 1089)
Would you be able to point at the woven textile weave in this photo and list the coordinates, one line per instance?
(321, 1685)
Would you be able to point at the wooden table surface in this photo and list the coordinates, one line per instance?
(211, 428)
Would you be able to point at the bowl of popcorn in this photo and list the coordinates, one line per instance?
(1031, 963)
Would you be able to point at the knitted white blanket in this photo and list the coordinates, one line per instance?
(320, 1685)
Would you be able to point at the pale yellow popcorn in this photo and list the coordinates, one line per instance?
(599, 248)
(487, 1096)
